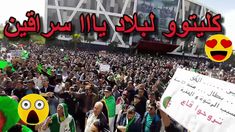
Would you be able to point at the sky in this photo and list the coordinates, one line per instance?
(18, 8)
(226, 8)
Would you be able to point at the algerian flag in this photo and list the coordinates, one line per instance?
(24, 54)
(4, 64)
(39, 68)
(49, 71)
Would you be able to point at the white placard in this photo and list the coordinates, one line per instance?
(104, 68)
(15, 53)
(200, 103)
(9, 57)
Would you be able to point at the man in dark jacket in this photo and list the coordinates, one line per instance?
(130, 121)
(140, 105)
(31, 88)
(131, 91)
(151, 121)
(48, 92)
(46, 87)
(86, 100)
(19, 90)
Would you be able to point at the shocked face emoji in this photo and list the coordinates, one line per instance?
(218, 48)
(33, 109)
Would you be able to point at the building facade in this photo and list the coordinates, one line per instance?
(111, 10)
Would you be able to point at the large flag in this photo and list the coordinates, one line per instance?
(4, 64)
(39, 68)
(24, 54)
(49, 71)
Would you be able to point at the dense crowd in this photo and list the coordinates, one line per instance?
(82, 98)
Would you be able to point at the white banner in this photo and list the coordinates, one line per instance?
(200, 103)
(104, 68)
(15, 53)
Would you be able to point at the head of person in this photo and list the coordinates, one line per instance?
(98, 108)
(45, 82)
(115, 88)
(137, 99)
(154, 87)
(130, 84)
(130, 112)
(95, 127)
(88, 89)
(19, 84)
(30, 84)
(67, 85)
(124, 94)
(53, 72)
(141, 92)
(108, 91)
(152, 107)
(151, 96)
(60, 111)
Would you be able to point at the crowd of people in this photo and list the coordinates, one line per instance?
(83, 98)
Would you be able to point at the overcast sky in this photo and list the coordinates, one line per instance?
(18, 8)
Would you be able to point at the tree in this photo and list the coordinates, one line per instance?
(76, 38)
(37, 39)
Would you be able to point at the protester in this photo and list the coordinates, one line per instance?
(110, 104)
(31, 89)
(62, 121)
(140, 104)
(87, 99)
(151, 121)
(151, 99)
(96, 127)
(19, 90)
(74, 77)
(130, 121)
(94, 115)
(48, 92)
(121, 101)
(131, 91)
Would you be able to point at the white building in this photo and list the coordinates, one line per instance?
(166, 10)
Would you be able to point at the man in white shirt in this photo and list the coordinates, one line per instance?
(96, 115)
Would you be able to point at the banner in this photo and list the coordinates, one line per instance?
(200, 103)
(15, 53)
(104, 68)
